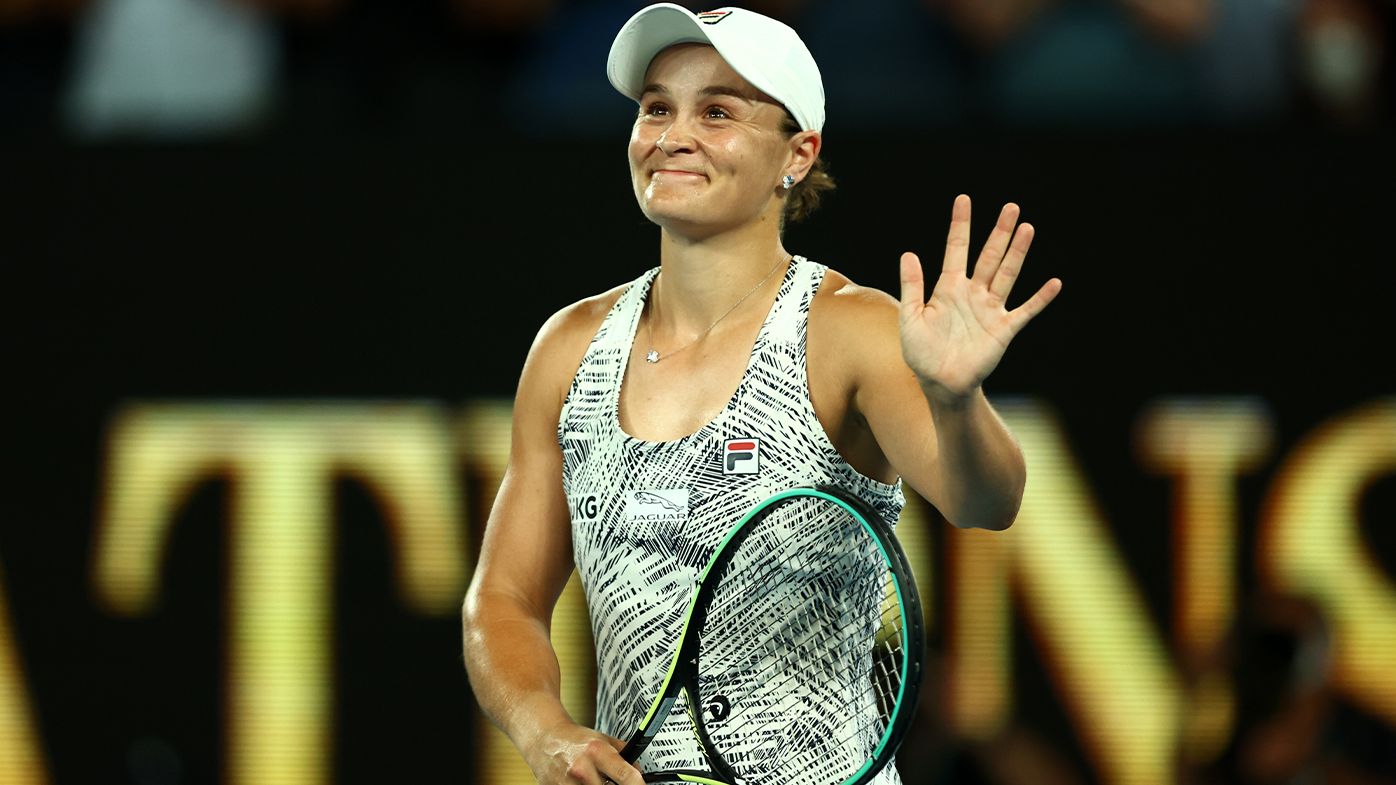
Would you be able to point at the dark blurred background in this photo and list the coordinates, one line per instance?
(318, 205)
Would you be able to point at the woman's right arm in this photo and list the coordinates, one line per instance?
(525, 561)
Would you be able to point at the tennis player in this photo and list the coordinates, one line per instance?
(650, 417)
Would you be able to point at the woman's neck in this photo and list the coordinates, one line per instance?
(700, 280)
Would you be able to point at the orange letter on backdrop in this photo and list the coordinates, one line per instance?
(1205, 444)
(1110, 665)
(282, 459)
(1311, 544)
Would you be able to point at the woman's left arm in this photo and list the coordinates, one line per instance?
(955, 450)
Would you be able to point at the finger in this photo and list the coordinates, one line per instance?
(629, 776)
(1002, 282)
(618, 771)
(992, 254)
(1019, 317)
(913, 284)
(957, 242)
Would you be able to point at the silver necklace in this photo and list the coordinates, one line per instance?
(653, 355)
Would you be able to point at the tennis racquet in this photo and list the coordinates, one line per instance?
(800, 657)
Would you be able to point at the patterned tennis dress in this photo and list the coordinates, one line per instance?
(646, 515)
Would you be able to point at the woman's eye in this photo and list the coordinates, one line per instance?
(656, 109)
(716, 113)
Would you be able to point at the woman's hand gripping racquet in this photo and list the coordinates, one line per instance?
(800, 658)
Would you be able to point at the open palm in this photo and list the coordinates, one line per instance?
(955, 340)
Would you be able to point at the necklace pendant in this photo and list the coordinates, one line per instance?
(652, 356)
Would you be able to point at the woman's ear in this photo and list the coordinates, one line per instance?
(804, 150)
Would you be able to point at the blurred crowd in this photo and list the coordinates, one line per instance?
(195, 69)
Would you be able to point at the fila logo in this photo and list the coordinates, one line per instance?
(741, 456)
(713, 17)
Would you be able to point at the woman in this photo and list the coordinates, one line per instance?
(630, 403)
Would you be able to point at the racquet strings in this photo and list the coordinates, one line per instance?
(800, 653)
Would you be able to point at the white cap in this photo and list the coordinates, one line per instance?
(764, 51)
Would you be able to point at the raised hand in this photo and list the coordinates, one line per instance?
(955, 340)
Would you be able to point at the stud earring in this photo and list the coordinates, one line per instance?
(788, 181)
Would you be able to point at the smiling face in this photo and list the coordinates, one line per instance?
(707, 152)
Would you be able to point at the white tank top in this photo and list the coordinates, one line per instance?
(646, 515)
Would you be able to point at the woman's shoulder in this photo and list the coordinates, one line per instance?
(581, 319)
(852, 333)
(845, 304)
(563, 339)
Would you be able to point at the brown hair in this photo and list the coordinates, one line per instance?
(803, 198)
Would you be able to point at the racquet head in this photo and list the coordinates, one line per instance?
(801, 655)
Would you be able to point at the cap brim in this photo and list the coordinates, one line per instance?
(648, 33)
